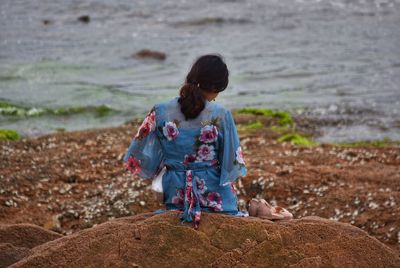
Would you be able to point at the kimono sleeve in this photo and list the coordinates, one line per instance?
(145, 155)
(231, 155)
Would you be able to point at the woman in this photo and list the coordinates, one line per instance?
(197, 141)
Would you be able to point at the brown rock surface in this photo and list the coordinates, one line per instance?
(16, 241)
(70, 181)
(221, 241)
(150, 54)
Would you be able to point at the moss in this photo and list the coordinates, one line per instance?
(284, 118)
(4, 104)
(10, 109)
(60, 130)
(280, 129)
(244, 129)
(9, 134)
(103, 110)
(254, 125)
(296, 139)
(65, 111)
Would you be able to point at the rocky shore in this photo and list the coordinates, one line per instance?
(148, 240)
(71, 181)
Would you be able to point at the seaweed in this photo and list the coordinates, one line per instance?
(9, 134)
(254, 125)
(9, 109)
(284, 118)
(296, 139)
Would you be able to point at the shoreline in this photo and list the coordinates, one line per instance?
(278, 122)
(70, 181)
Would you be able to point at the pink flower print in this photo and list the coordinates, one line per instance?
(201, 185)
(203, 200)
(147, 126)
(178, 198)
(189, 178)
(189, 158)
(239, 155)
(214, 201)
(205, 152)
(214, 196)
(233, 188)
(133, 165)
(170, 130)
(188, 190)
(215, 163)
(197, 216)
(208, 134)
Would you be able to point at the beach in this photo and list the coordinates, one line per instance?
(75, 65)
(314, 90)
(67, 182)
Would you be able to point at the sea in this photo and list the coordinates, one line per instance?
(335, 61)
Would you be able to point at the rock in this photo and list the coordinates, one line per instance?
(84, 18)
(221, 241)
(25, 235)
(10, 254)
(16, 241)
(47, 22)
(150, 54)
(53, 223)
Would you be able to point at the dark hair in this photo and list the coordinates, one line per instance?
(208, 73)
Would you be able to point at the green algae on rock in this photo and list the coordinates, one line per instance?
(254, 125)
(285, 119)
(296, 139)
(285, 127)
(280, 129)
(12, 109)
(9, 134)
(103, 110)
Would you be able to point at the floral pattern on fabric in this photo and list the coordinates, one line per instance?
(233, 188)
(207, 199)
(214, 201)
(205, 152)
(201, 185)
(239, 156)
(208, 134)
(202, 157)
(170, 130)
(133, 165)
(178, 198)
(189, 158)
(204, 146)
(197, 219)
(147, 126)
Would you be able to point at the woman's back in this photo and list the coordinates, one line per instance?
(196, 141)
(202, 156)
(181, 139)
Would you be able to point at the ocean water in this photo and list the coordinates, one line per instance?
(334, 60)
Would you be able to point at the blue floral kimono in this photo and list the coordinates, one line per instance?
(202, 157)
